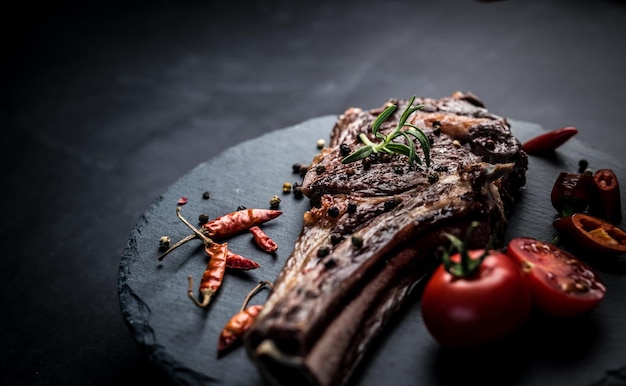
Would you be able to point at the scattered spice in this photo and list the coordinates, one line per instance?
(330, 263)
(182, 200)
(241, 207)
(583, 164)
(164, 242)
(206, 195)
(357, 241)
(203, 218)
(456, 143)
(433, 177)
(274, 202)
(335, 238)
(297, 191)
(351, 207)
(320, 143)
(320, 169)
(333, 212)
(287, 187)
(344, 149)
(323, 251)
(296, 167)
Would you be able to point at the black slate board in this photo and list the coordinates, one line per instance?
(182, 338)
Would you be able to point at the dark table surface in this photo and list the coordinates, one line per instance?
(99, 98)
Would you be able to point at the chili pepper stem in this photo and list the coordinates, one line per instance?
(199, 234)
(206, 294)
(253, 292)
(178, 244)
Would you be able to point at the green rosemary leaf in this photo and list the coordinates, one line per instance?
(423, 140)
(399, 148)
(412, 156)
(387, 145)
(382, 118)
(358, 154)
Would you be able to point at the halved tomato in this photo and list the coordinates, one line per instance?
(561, 284)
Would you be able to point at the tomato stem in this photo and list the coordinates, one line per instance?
(467, 265)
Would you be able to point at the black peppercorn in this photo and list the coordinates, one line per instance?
(351, 207)
(296, 167)
(433, 177)
(330, 263)
(206, 195)
(303, 170)
(323, 251)
(241, 207)
(344, 149)
(583, 164)
(320, 169)
(335, 238)
(333, 212)
(436, 127)
(367, 163)
(203, 218)
(297, 191)
(390, 204)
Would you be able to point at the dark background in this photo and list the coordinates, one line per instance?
(99, 99)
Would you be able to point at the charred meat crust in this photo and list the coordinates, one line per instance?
(373, 231)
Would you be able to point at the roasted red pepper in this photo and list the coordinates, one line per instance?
(607, 202)
(571, 193)
(548, 142)
(591, 234)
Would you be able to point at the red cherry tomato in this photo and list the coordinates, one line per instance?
(561, 284)
(483, 307)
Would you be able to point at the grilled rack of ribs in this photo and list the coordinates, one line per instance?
(373, 232)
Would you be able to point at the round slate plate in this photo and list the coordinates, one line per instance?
(182, 338)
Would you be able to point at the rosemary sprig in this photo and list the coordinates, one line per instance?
(387, 143)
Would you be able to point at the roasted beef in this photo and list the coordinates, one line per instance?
(374, 230)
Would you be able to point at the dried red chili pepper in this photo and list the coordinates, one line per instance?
(240, 323)
(229, 225)
(571, 193)
(262, 240)
(213, 274)
(238, 221)
(215, 269)
(607, 202)
(591, 234)
(548, 142)
(235, 261)
(182, 200)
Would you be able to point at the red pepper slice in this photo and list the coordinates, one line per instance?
(571, 193)
(548, 142)
(591, 234)
(607, 202)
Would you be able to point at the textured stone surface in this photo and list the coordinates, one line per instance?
(182, 338)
